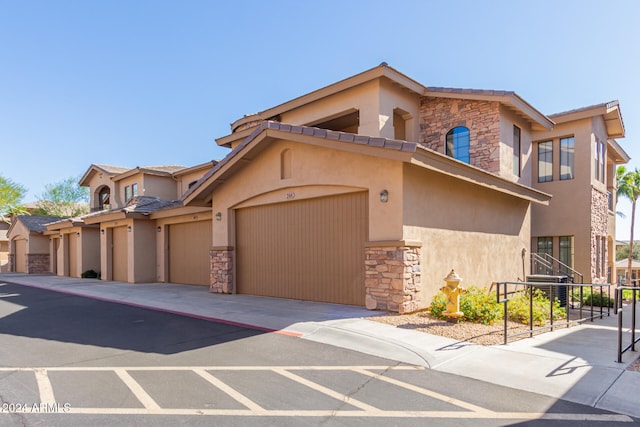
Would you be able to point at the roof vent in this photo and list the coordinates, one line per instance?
(384, 64)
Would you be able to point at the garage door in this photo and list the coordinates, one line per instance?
(73, 255)
(189, 246)
(310, 249)
(119, 256)
(21, 256)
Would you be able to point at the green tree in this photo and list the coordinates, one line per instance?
(623, 252)
(628, 183)
(64, 199)
(11, 194)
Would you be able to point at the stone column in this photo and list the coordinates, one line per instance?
(392, 276)
(221, 279)
(37, 263)
(11, 266)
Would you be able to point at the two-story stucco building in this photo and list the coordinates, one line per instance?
(368, 192)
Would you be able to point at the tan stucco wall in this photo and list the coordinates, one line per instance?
(569, 212)
(163, 187)
(476, 231)
(106, 240)
(375, 100)
(184, 180)
(99, 180)
(507, 120)
(316, 171)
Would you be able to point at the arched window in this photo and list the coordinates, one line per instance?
(458, 143)
(104, 198)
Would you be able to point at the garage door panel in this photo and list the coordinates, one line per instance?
(73, 255)
(189, 259)
(310, 249)
(119, 257)
(21, 256)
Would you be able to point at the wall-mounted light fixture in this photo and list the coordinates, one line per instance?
(129, 228)
(78, 234)
(384, 196)
(218, 216)
(102, 231)
(159, 229)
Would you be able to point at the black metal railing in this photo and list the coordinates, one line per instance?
(618, 304)
(504, 294)
(542, 263)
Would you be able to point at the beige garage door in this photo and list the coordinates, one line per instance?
(119, 258)
(21, 256)
(189, 260)
(73, 255)
(309, 249)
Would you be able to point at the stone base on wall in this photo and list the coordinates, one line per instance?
(221, 279)
(38, 263)
(392, 276)
(11, 265)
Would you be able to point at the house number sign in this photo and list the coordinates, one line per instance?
(290, 195)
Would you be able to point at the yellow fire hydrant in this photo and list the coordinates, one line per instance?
(453, 292)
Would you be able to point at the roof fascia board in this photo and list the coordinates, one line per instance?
(446, 165)
(624, 156)
(184, 210)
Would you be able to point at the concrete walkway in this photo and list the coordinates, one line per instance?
(576, 364)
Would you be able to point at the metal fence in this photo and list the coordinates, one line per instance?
(506, 290)
(618, 304)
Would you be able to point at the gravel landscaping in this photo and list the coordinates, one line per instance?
(463, 331)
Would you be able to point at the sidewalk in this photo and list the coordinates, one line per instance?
(576, 364)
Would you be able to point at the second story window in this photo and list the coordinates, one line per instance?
(567, 149)
(134, 190)
(127, 193)
(545, 161)
(104, 198)
(517, 150)
(457, 144)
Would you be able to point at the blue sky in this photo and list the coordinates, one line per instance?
(133, 83)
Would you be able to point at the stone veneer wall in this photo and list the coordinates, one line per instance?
(392, 277)
(599, 232)
(439, 115)
(221, 279)
(37, 263)
(11, 266)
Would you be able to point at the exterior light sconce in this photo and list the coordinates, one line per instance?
(384, 196)
(102, 231)
(159, 229)
(129, 228)
(218, 216)
(78, 234)
(61, 235)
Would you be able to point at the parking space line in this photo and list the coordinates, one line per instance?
(420, 390)
(144, 398)
(327, 391)
(44, 386)
(233, 393)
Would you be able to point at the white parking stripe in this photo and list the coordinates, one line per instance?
(239, 397)
(327, 391)
(136, 389)
(44, 386)
(425, 392)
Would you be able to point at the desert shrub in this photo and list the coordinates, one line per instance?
(518, 308)
(477, 305)
(438, 305)
(90, 274)
(627, 294)
(598, 300)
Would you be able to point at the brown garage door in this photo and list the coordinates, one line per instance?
(310, 249)
(189, 260)
(21, 256)
(119, 257)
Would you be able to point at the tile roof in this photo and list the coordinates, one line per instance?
(111, 169)
(148, 204)
(470, 91)
(164, 168)
(37, 223)
(610, 104)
